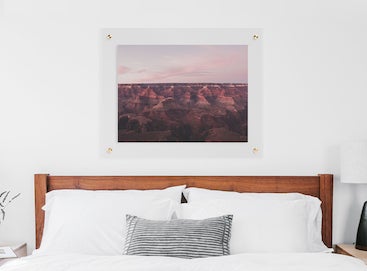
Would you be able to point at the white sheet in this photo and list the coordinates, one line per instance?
(240, 262)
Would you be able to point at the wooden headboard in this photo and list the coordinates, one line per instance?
(320, 186)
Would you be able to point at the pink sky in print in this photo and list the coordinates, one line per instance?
(182, 64)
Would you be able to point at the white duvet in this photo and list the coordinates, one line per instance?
(243, 262)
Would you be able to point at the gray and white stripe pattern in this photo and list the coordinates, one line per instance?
(183, 238)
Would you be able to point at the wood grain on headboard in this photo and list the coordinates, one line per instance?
(320, 186)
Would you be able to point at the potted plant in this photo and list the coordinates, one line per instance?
(5, 200)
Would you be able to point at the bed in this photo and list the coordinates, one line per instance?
(319, 187)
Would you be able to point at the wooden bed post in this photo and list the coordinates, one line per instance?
(40, 185)
(326, 196)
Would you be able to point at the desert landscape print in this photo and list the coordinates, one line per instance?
(182, 93)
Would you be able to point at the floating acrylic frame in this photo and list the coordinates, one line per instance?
(112, 68)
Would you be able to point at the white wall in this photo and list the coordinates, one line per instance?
(315, 90)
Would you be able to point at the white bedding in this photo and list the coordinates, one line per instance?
(248, 262)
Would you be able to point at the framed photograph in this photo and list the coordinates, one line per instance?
(181, 93)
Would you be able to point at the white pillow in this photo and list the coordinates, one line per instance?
(94, 222)
(174, 193)
(262, 225)
(316, 244)
(194, 194)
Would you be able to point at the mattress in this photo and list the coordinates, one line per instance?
(248, 262)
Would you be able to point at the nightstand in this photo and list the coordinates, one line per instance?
(350, 250)
(19, 249)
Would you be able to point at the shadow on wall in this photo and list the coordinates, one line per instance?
(352, 218)
(348, 200)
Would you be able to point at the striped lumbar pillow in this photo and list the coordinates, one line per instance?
(184, 238)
